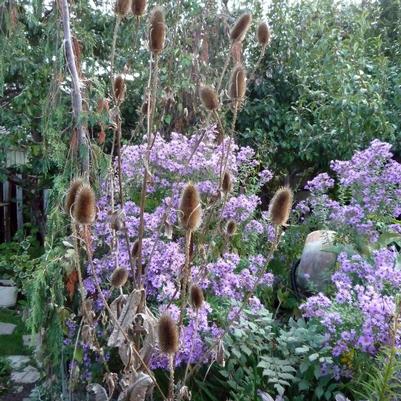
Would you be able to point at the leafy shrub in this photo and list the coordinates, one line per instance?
(283, 359)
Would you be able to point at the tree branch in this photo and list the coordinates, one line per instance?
(76, 96)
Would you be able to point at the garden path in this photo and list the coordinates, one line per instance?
(22, 371)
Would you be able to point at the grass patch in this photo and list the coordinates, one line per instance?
(13, 344)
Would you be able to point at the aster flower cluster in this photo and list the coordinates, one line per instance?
(229, 275)
(368, 188)
(359, 315)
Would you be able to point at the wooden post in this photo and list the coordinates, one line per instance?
(6, 210)
(19, 204)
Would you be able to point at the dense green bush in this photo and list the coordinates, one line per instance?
(333, 83)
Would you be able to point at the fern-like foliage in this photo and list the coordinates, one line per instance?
(383, 381)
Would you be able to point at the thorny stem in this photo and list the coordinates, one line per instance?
(112, 56)
(117, 139)
(261, 55)
(115, 320)
(226, 64)
(191, 350)
(151, 89)
(232, 132)
(244, 303)
(171, 381)
(73, 358)
(77, 262)
(185, 279)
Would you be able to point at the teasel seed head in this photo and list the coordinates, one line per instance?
(122, 7)
(168, 335)
(157, 30)
(227, 184)
(144, 108)
(135, 249)
(119, 277)
(209, 97)
(280, 206)
(238, 83)
(138, 7)
(75, 186)
(84, 210)
(240, 28)
(116, 221)
(119, 89)
(190, 208)
(263, 34)
(197, 297)
(231, 228)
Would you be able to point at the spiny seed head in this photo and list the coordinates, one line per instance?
(75, 186)
(157, 30)
(280, 206)
(119, 89)
(144, 108)
(135, 249)
(227, 184)
(197, 297)
(168, 335)
(231, 228)
(122, 7)
(84, 211)
(190, 208)
(138, 7)
(119, 277)
(209, 97)
(116, 221)
(241, 26)
(263, 34)
(238, 83)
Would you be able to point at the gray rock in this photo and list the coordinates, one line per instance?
(317, 263)
(29, 341)
(18, 361)
(28, 375)
(7, 328)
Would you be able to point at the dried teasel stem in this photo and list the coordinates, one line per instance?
(86, 241)
(73, 357)
(171, 380)
(151, 101)
(191, 350)
(113, 53)
(190, 219)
